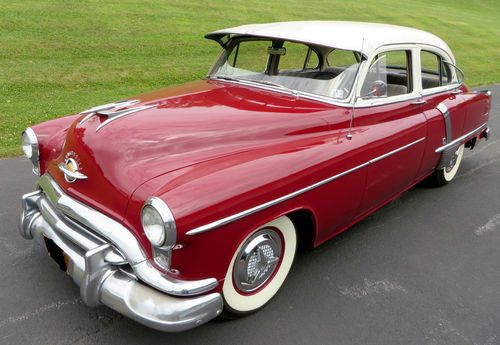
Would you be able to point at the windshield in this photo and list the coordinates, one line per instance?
(289, 66)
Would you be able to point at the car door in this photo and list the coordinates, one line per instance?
(444, 106)
(391, 119)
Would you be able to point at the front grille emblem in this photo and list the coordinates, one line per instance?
(70, 168)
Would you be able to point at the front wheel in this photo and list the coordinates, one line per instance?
(445, 175)
(259, 267)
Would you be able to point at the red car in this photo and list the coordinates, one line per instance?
(178, 205)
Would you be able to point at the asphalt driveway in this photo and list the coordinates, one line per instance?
(425, 269)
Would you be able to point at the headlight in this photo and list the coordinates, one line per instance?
(159, 224)
(31, 150)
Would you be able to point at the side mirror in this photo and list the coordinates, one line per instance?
(377, 89)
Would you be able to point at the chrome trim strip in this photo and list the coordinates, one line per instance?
(94, 110)
(447, 120)
(442, 108)
(460, 139)
(122, 114)
(268, 204)
(385, 155)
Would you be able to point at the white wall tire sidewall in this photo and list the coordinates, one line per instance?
(248, 303)
(448, 176)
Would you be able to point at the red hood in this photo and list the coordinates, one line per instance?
(187, 124)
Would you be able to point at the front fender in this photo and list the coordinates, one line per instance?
(51, 136)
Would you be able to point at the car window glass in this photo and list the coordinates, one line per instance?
(288, 66)
(341, 58)
(297, 56)
(250, 56)
(430, 67)
(388, 75)
(446, 78)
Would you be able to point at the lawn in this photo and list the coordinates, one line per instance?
(58, 57)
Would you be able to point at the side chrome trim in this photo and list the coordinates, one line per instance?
(268, 204)
(460, 139)
(447, 120)
(385, 155)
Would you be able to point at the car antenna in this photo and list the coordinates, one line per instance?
(355, 87)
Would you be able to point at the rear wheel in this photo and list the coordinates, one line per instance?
(445, 175)
(259, 267)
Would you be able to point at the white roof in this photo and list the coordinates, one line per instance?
(357, 36)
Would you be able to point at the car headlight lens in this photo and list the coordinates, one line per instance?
(159, 224)
(27, 149)
(153, 226)
(29, 144)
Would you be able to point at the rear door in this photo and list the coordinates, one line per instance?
(444, 105)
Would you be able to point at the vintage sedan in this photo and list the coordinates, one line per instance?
(179, 205)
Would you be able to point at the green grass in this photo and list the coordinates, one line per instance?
(59, 57)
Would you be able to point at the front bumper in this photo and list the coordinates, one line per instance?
(108, 264)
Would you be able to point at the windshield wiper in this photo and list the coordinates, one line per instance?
(222, 77)
(270, 83)
(264, 82)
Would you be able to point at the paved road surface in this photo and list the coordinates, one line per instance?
(423, 270)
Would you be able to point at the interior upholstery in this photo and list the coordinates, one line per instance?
(394, 90)
(396, 83)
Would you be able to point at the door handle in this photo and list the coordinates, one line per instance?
(456, 91)
(419, 102)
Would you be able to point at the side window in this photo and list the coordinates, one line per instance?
(341, 58)
(451, 74)
(437, 72)
(250, 56)
(430, 67)
(298, 57)
(389, 75)
(446, 78)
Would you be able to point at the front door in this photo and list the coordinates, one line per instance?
(393, 125)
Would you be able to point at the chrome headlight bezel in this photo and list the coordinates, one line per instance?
(31, 149)
(165, 219)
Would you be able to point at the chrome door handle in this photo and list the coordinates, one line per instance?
(456, 91)
(419, 102)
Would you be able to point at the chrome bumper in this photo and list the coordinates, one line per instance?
(108, 264)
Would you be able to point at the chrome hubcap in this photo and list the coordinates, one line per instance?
(257, 260)
(452, 162)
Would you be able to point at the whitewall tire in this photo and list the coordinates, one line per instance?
(446, 174)
(259, 267)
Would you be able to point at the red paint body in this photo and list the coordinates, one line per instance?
(213, 149)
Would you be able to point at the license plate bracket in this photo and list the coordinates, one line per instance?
(57, 254)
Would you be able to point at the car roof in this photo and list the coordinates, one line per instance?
(358, 36)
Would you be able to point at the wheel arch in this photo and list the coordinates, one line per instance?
(304, 222)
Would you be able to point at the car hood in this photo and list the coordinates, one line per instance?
(178, 127)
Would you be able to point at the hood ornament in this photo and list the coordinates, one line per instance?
(114, 111)
(70, 168)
